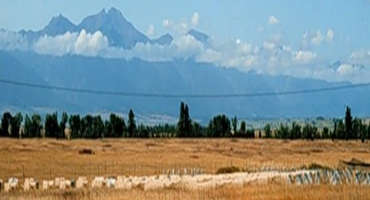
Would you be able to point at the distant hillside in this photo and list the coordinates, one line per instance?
(177, 77)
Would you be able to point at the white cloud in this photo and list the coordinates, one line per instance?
(272, 57)
(12, 41)
(195, 19)
(90, 44)
(361, 56)
(269, 46)
(151, 30)
(82, 43)
(273, 20)
(304, 56)
(317, 38)
(330, 35)
(167, 23)
(346, 69)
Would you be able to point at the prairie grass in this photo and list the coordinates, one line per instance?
(250, 191)
(49, 158)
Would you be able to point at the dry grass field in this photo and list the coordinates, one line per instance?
(250, 191)
(47, 158)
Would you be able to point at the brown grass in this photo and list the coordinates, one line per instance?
(253, 192)
(47, 158)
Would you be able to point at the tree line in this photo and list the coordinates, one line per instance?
(93, 127)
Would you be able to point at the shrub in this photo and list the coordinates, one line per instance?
(228, 170)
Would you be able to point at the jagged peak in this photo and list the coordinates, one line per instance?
(167, 35)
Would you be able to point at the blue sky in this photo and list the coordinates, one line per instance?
(224, 19)
(259, 23)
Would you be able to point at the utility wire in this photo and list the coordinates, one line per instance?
(163, 95)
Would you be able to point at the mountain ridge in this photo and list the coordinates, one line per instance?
(112, 23)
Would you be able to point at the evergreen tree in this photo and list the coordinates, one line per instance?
(75, 125)
(117, 126)
(181, 122)
(36, 125)
(348, 124)
(325, 133)
(187, 121)
(184, 124)
(87, 127)
(219, 126)
(98, 127)
(282, 132)
(5, 124)
(267, 130)
(243, 129)
(295, 132)
(309, 132)
(356, 129)
(131, 124)
(62, 126)
(16, 123)
(234, 123)
(197, 130)
(363, 132)
(27, 127)
(51, 125)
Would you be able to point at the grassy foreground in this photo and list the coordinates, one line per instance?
(48, 158)
(253, 192)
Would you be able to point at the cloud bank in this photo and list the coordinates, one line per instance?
(270, 57)
(82, 43)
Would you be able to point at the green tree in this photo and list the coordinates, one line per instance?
(16, 123)
(219, 126)
(131, 124)
(243, 129)
(36, 125)
(197, 130)
(282, 132)
(181, 122)
(363, 132)
(75, 125)
(62, 126)
(356, 129)
(296, 131)
(325, 133)
(5, 124)
(87, 127)
(234, 123)
(98, 127)
(51, 125)
(267, 130)
(309, 132)
(27, 127)
(184, 124)
(116, 126)
(251, 133)
(341, 130)
(348, 124)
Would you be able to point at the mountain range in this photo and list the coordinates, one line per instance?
(179, 76)
(111, 23)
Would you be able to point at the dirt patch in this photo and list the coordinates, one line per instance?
(107, 146)
(356, 163)
(86, 152)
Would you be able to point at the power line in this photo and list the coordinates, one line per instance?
(163, 95)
